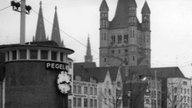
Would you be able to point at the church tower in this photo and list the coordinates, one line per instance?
(55, 36)
(88, 56)
(146, 31)
(40, 30)
(124, 40)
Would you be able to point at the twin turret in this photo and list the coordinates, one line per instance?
(146, 17)
(104, 9)
(131, 11)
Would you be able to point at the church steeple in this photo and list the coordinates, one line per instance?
(104, 6)
(40, 30)
(145, 8)
(55, 30)
(88, 56)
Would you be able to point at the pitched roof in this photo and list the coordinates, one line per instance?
(85, 64)
(145, 8)
(167, 72)
(40, 30)
(104, 6)
(99, 73)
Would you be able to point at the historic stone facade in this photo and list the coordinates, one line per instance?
(125, 40)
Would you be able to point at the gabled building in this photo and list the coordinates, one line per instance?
(107, 81)
(164, 73)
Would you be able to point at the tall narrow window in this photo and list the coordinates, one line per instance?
(33, 54)
(105, 60)
(8, 55)
(112, 39)
(79, 89)
(85, 90)
(95, 103)
(133, 58)
(69, 103)
(74, 102)
(14, 55)
(53, 55)
(119, 39)
(44, 54)
(22, 54)
(91, 102)
(74, 89)
(91, 90)
(85, 102)
(79, 102)
(61, 57)
(126, 38)
(95, 91)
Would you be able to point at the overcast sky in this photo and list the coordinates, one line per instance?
(171, 26)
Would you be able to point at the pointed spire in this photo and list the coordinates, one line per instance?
(40, 30)
(104, 6)
(55, 30)
(145, 8)
(88, 56)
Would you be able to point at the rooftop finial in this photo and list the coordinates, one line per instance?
(55, 8)
(40, 3)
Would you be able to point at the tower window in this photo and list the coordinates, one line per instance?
(113, 39)
(105, 60)
(133, 58)
(119, 38)
(126, 38)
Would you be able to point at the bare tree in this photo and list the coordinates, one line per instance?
(112, 99)
(174, 98)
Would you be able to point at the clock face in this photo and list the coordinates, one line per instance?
(63, 82)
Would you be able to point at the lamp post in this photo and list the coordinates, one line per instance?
(131, 97)
(24, 9)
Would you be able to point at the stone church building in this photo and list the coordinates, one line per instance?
(125, 40)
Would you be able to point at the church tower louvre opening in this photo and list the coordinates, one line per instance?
(125, 40)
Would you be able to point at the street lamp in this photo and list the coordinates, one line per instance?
(131, 98)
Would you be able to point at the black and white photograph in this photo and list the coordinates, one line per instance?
(95, 54)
